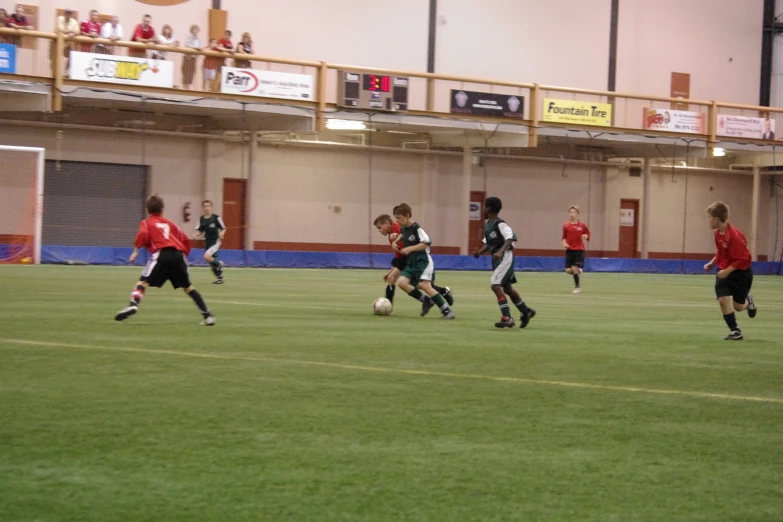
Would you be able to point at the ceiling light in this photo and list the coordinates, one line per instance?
(345, 125)
(717, 151)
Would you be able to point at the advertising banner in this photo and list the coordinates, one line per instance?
(675, 121)
(578, 112)
(271, 84)
(7, 58)
(746, 127)
(124, 70)
(489, 104)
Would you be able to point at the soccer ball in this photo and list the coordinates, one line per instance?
(382, 306)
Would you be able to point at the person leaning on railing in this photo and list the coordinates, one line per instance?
(244, 47)
(4, 24)
(18, 21)
(68, 26)
(189, 60)
(90, 28)
(166, 38)
(144, 33)
(111, 30)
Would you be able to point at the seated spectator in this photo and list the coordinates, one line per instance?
(211, 65)
(67, 26)
(166, 38)
(189, 60)
(90, 28)
(144, 33)
(111, 30)
(244, 47)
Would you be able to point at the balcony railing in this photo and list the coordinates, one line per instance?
(42, 57)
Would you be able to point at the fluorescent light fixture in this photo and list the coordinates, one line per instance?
(717, 151)
(345, 125)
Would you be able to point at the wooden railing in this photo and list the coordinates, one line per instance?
(429, 93)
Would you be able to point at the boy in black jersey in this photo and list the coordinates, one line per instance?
(499, 240)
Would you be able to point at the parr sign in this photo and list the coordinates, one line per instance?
(578, 112)
(271, 84)
(121, 69)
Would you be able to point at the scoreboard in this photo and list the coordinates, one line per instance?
(358, 90)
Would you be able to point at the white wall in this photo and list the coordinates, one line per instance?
(556, 42)
(391, 35)
(718, 42)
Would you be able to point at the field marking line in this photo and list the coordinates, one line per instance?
(401, 371)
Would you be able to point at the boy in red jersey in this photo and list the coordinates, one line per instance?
(575, 233)
(735, 276)
(168, 247)
(391, 229)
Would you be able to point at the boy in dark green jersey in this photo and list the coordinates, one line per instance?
(499, 240)
(419, 269)
(212, 229)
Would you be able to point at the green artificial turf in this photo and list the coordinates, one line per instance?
(619, 404)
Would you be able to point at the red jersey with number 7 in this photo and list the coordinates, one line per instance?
(395, 229)
(572, 233)
(732, 249)
(157, 233)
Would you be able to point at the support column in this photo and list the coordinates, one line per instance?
(646, 183)
(467, 169)
(251, 177)
(754, 214)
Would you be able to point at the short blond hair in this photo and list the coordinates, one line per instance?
(719, 210)
(575, 207)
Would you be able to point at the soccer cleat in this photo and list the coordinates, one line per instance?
(208, 321)
(525, 318)
(125, 313)
(736, 335)
(448, 296)
(426, 306)
(751, 307)
(577, 290)
(505, 322)
(218, 281)
(449, 315)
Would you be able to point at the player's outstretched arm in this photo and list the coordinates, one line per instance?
(480, 250)
(414, 248)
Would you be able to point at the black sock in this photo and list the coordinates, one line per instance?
(419, 295)
(202, 306)
(731, 322)
(522, 307)
(390, 293)
(576, 280)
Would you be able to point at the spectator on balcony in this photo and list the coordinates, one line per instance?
(144, 33)
(111, 30)
(4, 24)
(189, 60)
(90, 28)
(244, 47)
(166, 38)
(211, 65)
(67, 26)
(18, 20)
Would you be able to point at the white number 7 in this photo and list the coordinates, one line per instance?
(165, 228)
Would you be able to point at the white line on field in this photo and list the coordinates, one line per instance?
(427, 373)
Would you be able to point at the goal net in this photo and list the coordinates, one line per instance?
(21, 200)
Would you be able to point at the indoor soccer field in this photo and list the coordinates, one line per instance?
(620, 404)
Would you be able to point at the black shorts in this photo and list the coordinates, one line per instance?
(575, 258)
(399, 263)
(737, 285)
(167, 265)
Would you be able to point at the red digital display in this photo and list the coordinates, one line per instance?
(374, 82)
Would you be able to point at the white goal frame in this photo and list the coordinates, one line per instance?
(39, 194)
